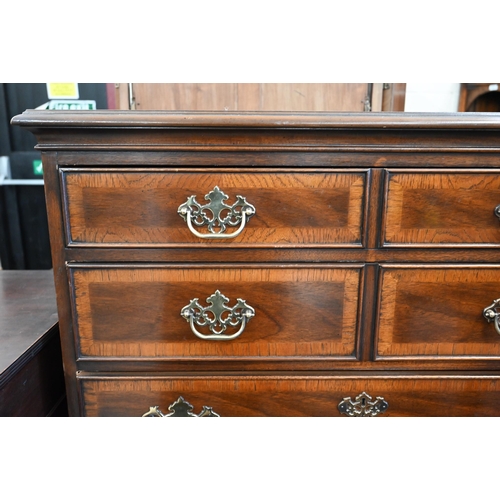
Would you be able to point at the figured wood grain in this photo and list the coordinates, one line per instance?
(396, 331)
(437, 311)
(139, 207)
(292, 395)
(435, 208)
(135, 311)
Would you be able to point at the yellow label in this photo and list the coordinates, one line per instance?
(62, 90)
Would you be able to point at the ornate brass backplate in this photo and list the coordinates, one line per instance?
(492, 314)
(216, 215)
(363, 406)
(180, 408)
(217, 317)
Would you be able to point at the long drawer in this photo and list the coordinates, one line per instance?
(291, 395)
(454, 208)
(438, 311)
(160, 311)
(123, 207)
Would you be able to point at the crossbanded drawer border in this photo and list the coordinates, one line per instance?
(354, 235)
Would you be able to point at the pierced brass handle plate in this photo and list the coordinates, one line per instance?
(217, 317)
(180, 408)
(216, 214)
(492, 314)
(363, 406)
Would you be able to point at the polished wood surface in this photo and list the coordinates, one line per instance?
(31, 371)
(369, 265)
(28, 314)
(437, 311)
(447, 207)
(49, 125)
(135, 311)
(134, 207)
(297, 395)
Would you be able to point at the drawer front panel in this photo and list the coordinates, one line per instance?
(432, 311)
(135, 312)
(442, 208)
(274, 396)
(139, 207)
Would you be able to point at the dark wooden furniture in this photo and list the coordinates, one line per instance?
(31, 373)
(362, 278)
(479, 97)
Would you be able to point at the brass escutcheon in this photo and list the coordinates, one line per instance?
(363, 406)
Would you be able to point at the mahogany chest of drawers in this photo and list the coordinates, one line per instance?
(275, 264)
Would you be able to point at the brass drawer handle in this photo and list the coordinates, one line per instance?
(216, 214)
(497, 211)
(217, 316)
(491, 314)
(363, 406)
(180, 408)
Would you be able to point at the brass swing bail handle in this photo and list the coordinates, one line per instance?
(217, 318)
(492, 314)
(216, 215)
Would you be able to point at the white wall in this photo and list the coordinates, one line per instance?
(432, 97)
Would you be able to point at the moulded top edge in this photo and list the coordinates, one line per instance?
(153, 119)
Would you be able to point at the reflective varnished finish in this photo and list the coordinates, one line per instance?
(369, 260)
(299, 395)
(298, 208)
(180, 408)
(31, 371)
